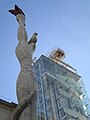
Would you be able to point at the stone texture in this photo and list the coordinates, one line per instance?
(26, 82)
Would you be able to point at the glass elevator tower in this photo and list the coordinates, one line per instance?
(61, 92)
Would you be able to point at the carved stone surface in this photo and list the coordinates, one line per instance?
(26, 82)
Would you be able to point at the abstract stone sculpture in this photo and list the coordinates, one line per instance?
(26, 86)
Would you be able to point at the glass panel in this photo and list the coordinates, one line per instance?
(62, 113)
(49, 114)
(41, 115)
(49, 66)
(39, 85)
(40, 99)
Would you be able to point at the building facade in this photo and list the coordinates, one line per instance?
(6, 110)
(60, 91)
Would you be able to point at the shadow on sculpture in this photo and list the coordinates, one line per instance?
(26, 86)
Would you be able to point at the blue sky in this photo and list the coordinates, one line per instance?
(59, 23)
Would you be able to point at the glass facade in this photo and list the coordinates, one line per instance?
(59, 92)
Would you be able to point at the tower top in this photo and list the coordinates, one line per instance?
(57, 54)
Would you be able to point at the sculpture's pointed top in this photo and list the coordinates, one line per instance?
(16, 11)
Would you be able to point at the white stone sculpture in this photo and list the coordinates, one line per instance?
(26, 86)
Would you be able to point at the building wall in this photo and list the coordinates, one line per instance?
(6, 109)
(5, 114)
